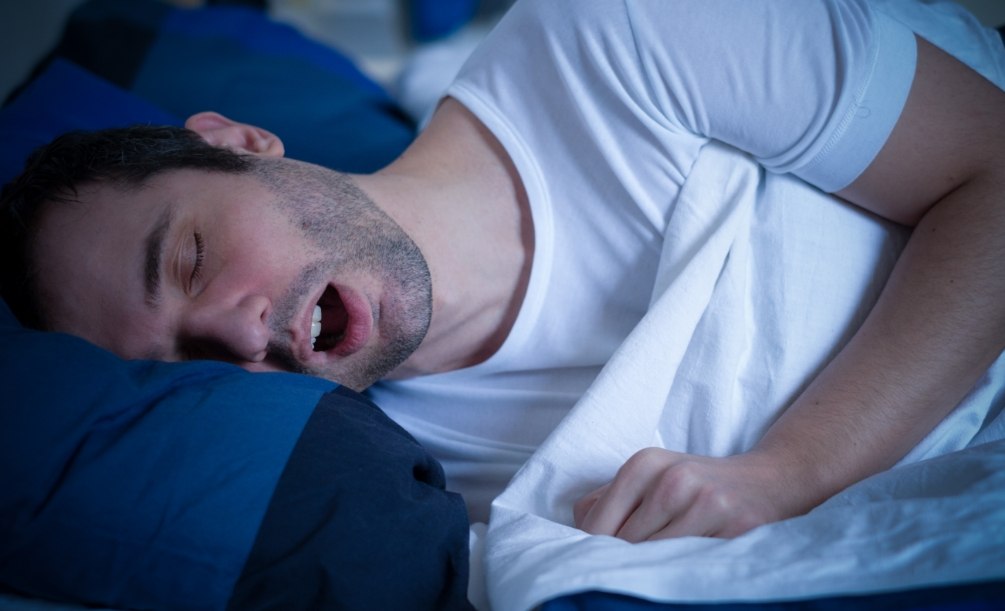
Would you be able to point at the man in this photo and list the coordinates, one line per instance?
(500, 261)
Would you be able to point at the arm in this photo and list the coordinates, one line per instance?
(938, 325)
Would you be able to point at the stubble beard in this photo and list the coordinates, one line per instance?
(352, 234)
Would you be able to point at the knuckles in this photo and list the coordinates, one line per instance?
(717, 499)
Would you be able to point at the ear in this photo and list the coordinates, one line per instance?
(218, 130)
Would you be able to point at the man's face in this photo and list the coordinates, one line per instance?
(236, 267)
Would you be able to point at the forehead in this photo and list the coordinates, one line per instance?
(103, 219)
(123, 214)
(64, 226)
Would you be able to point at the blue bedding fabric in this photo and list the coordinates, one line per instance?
(982, 596)
(236, 61)
(136, 484)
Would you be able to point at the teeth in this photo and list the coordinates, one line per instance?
(315, 324)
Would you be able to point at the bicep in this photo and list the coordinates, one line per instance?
(949, 134)
(810, 88)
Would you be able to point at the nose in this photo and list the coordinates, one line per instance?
(230, 331)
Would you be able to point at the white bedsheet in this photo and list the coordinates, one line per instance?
(746, 312)
(714, 392)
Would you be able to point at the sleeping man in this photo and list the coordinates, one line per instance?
(488, 274)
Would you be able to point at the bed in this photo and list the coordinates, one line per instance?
(241, 516)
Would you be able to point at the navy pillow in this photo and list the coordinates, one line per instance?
(136, 484)
(237, 61)
(62, 98)
(359, 520)
(129, 483)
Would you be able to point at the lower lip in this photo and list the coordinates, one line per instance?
(359, 325)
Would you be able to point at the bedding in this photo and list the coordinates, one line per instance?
(969, 597)
(711, 366)
(238, 62)
(198, 485)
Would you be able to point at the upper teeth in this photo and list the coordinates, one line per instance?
(315, 324)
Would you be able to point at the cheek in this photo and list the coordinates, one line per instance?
(109, 319)
(261, 268)
(265, 253)
(76, 292)
(269, 235)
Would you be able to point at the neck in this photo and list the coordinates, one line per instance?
(456, 193)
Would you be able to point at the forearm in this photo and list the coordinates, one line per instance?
(936, 328)
(938, 325)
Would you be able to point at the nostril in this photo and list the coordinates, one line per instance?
(234, 331)
(258, 305)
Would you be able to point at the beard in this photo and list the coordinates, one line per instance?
(351, 234)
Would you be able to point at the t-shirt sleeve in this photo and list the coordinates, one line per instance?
(810, 87)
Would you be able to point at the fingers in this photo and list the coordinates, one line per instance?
(603, 511)
(667, 510)
(660, 494)
(696, 509)
(606, 510)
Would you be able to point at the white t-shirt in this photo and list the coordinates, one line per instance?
(603, 106)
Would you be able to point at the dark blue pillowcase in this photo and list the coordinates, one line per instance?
(237, 61)
(141, 61)
(62, 98)
(135, 483)
(359, 520)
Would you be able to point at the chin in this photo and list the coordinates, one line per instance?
(363, 373)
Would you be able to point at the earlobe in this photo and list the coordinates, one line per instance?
(220, 131)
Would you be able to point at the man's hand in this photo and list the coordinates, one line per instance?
(660, 494)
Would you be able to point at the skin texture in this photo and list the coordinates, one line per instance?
(938, 325)
(223, 291)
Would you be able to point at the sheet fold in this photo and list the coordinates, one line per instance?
(746, 311)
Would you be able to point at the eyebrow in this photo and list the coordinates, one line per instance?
(154, 249)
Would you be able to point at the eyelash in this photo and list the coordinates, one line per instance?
(200, 254)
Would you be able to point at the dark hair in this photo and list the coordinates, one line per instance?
(126, 157)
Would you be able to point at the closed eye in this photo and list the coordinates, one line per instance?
(200, 254)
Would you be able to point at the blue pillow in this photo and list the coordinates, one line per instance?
(137, 484)
(152, 475)
(64, 97)
(237, 61)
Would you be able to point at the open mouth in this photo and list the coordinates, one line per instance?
(329, 321)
